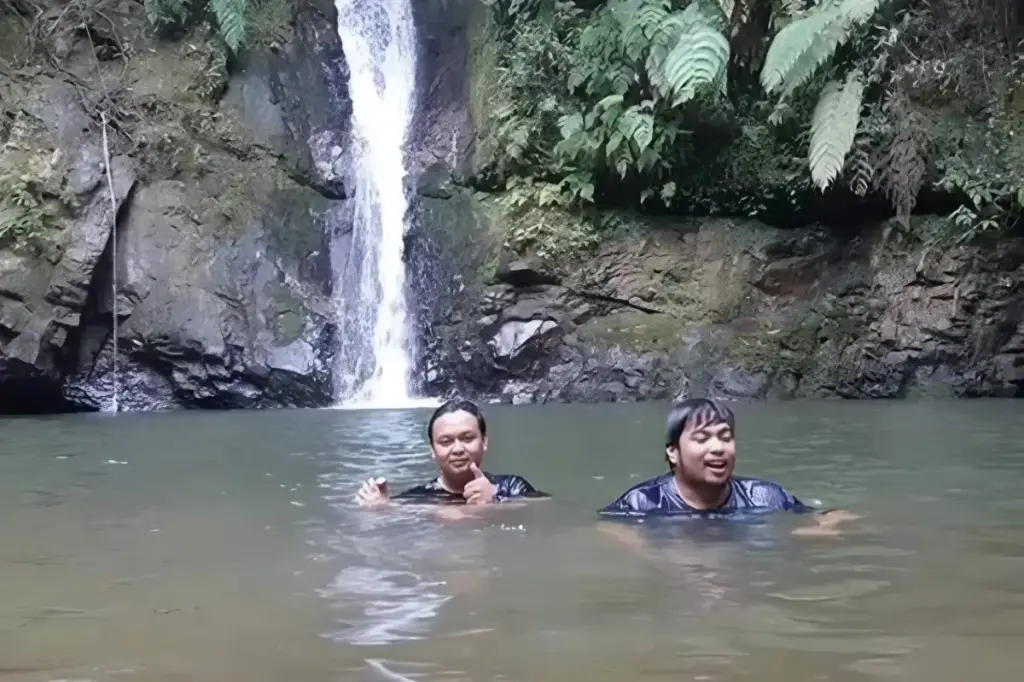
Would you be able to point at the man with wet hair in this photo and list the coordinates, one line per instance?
(457, 436)
(701, 452)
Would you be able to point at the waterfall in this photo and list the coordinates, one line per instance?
(374, 361)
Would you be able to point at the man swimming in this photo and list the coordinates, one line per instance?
(701, 452)
(457, 433)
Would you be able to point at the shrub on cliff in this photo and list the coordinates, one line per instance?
(643, 98)
(638, 67)
(237, 21)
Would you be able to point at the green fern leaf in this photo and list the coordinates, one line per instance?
(792, 43)
(824, 46)
(858, 167)
(699, 59)
(694, 57)
(856, 12)
(231, 21)
(833, 128)
(639, 21)
(623, 79)
(803, 46)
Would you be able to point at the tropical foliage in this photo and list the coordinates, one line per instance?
(237, 21)
(637, 99)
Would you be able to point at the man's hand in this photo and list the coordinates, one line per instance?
(373, 493)
(827, 524)
(479, 490)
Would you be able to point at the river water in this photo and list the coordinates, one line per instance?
(223, 547)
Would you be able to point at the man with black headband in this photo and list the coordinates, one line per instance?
(701, 453)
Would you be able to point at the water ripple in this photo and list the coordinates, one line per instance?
(377, 594)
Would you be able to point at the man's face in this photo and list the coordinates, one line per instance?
(705, 454)
(456, 441)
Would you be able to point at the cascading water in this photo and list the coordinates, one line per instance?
(374, 358)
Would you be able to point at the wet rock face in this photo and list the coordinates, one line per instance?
(44, 289)
(738, 310)
(240, 329)
(672, 307)
(223, 266)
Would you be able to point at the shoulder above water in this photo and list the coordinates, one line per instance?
(658, 496)
(511, 486)
(507, 487)
(757, 493)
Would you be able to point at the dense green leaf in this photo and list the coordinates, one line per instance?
(231, 15)
(833, 128)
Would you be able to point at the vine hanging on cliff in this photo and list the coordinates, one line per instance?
(859, 170)
(902, 167)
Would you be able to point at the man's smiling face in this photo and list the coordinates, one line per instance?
(705, 454)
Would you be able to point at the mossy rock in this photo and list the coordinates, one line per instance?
(635, 331)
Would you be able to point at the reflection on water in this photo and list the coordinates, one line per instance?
(380, 594)
(225, 546)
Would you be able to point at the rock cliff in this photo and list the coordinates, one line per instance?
(737, 309)
(229, 190)
(529, 304)
(228, 178)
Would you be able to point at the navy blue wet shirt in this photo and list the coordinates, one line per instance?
(507, 487)
(659, 497)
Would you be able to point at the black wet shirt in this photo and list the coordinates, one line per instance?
(659, 496)
(506, 487)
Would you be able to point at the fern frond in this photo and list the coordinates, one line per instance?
(825, 45)
(622, 79)
(804, 45)
(697, 58)
(856, 12)
(231, 15)
(859, 169)
(901, 171)
(833, 128)
(165, 12)
(790, 45)
(639, 21)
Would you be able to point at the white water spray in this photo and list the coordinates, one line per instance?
(374, 364)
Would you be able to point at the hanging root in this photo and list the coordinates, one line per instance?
(113, 258)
